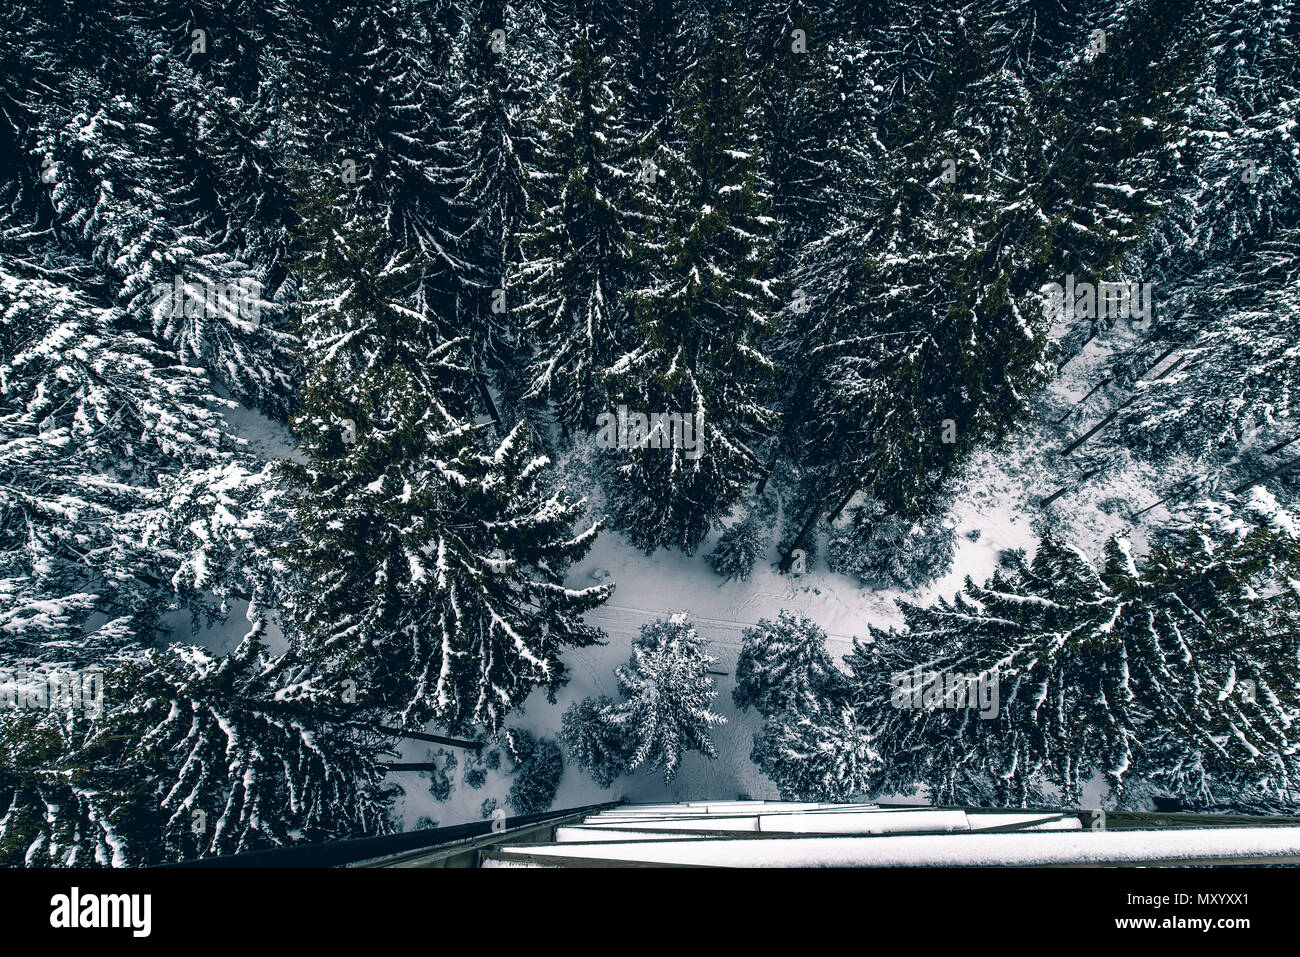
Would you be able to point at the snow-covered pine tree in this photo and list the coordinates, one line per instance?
(129, 196)
(823, 756)
(741, 545)
(917, 371)
(58, 809)
(784, 667)
(93, 416)
(869, 337)
(653, 43)
(225, 529)
(433, 565)
(811, 744)
(594, 744)
(801, 109)
(371, 102)
(218, 735)
(1222, 258)
(1238, 171)
(667, 697)
(194, 755)
(1229, 401)
(701, 308)
(538, 767)
(220, 110)
(577, 256)
(502, 58)
(820, 270)
(892, 551)
(1181, 672)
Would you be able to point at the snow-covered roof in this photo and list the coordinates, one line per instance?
(789, 834)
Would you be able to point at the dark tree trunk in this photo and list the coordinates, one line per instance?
(480, 380)
(787, 559)
(1065, 488)
(1273, 473)
(1177, 491)
(1074, 408)
(1127, 402)
(767, 474)
(1281, 445)
(435, 738)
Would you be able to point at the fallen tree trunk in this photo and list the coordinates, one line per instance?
(435, 738)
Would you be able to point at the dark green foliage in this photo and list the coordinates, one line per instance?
(578, 256)
(538, 766)
(1176, 674)
(440, 785)
(891, 551)
(701, 305)
(897, 374)
(434, 555)
(193, 756)
(746, 541)
(1181, 672)
(594, 744)
(683, 214)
